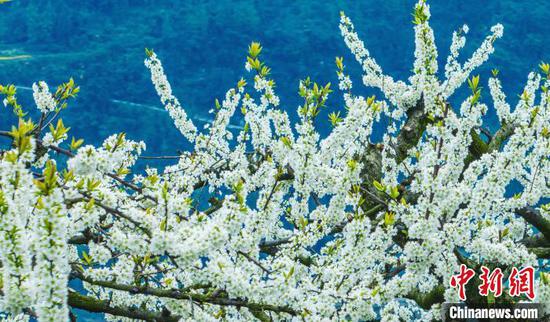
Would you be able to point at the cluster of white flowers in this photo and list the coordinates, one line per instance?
(460, 75)
(171, 103)
(42, 97)
(275, 222)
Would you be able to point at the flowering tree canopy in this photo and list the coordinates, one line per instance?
(297, 226)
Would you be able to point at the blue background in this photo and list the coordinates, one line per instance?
(203, 47)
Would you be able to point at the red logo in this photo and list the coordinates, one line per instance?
(460, 280)
(520, 281)
(491, 282)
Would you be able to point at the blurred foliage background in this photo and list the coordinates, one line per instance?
(202, 44)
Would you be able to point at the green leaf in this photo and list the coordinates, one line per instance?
(254, 49)
(289, 274)
(302, 223)
(241, 83)
(473, 83)
(68, 175)
(286, 141)
(87, 259)
(475, 97)
(75, 144)
(352, 164)
(419, 16)
(370, 100)
(389, 218)
(525, 96)
(394, 192)
(49, 182)
(254, 63)
(545, 67)
(92, 184)
(335, 118)
(220, 314)
(505, 232)
(340, 63)
(265, 71)
(90, 204)
(59, 131)
(80, 184)
(122, 171)
(378, 186)
(534, 113)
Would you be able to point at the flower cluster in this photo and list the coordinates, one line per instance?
(42, 97)
(274, 221)
(171, 103)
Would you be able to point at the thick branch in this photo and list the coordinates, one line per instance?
(411, 131)
(534, 217)
(505, 131)
(541, 252)
(85, 238)
(535, 241)
(112, 211)
(91, 304)
(479, 147)
(179, 295)
(426, 300)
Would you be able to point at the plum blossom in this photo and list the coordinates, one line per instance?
(275, 221)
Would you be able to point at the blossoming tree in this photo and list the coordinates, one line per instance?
(297, 226)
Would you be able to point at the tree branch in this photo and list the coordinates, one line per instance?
(535, 241)
(411, 131)
(541, 252)
(534, 217)
(91, 304)
(426, 300)
(179, 295)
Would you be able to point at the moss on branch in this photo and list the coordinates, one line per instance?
(541, 252)
(426, 300)
(412, 130)
(181, 295)
(534, 217)
(91, 304)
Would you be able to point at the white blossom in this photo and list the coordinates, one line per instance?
(274, 220)
(43, 98)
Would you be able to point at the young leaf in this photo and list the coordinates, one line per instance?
(394, 192)
(75, 144)
(87, 259)
(340, 63)
(335, 118)
(380, 187)
(286, 141)
(254, 49)
(389, 218)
